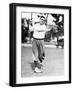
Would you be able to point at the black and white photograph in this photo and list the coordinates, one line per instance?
(42, 44)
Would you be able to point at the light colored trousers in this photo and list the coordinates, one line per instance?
(38, 50)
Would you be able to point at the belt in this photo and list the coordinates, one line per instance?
(39, 38)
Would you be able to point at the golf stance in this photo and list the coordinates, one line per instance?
(39, 29)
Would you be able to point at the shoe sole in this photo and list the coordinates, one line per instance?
(38, 72)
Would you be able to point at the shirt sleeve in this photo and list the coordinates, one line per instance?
(31, 28)
(47, 29)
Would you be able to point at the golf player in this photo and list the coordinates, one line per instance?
(39, 29)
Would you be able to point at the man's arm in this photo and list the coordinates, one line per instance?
(31, 28)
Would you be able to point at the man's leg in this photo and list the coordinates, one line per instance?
(41, 51)
(35, 55)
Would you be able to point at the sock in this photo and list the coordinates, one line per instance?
(35, 63)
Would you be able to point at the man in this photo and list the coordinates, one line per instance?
(39, 29)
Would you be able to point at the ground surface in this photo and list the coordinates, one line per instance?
(53, 64)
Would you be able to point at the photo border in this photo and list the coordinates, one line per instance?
(12, 41)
